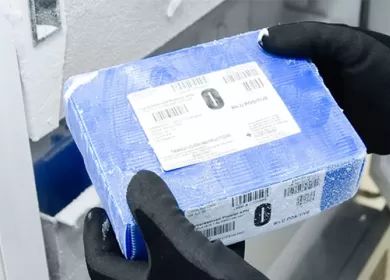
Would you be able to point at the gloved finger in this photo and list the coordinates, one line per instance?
(153, 204)
(317, 41)
(103, 256)
(352, 63)
(382, 38)
(166, 231)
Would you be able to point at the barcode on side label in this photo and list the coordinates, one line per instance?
(306, 198)
(253, 84)
(189, 83)
(170, 113)
(240, 75)
(302, 186)
(249, 197)
(218, 230)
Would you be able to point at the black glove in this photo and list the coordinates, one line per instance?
(175, 249)
(355, 66)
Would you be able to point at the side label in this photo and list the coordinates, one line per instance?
(237, 218)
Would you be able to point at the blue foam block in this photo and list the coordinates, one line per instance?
(246, 141)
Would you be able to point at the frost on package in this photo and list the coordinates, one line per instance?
(247, 142)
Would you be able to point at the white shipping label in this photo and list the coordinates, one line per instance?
(212, 115)
(235, 219)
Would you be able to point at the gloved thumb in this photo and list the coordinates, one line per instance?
(354, 65)
(314, 40)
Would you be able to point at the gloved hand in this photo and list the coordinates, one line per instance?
(175, 249)
(355, 66)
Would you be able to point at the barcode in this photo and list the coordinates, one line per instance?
(218, 230)
(240, 75)
(252, 196)
(190, 83)
(302, 186)
(253, 84)
(306, 198)
(170, 113)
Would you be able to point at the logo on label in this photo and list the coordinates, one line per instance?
(212, 98)
(262, 214)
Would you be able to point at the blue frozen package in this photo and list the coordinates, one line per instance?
(247, 141)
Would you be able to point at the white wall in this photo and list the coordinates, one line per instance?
(22, 249)
(104, 33)
(379, 19)
(345, 11)
(2, 272)
(41, 68)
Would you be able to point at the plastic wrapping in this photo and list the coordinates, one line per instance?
(246, 141)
